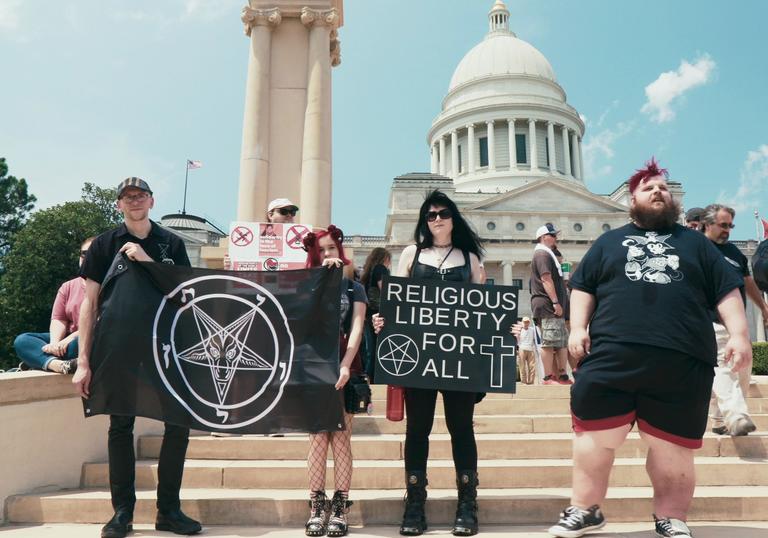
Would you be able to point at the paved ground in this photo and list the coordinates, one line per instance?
(616, 530)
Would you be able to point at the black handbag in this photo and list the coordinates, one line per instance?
(357, 395)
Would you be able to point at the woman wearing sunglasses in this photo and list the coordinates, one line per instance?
(446, 249)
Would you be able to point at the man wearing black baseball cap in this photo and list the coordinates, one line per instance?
(139, 239)
(693, 218)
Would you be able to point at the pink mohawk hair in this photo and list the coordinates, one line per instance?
(644, 174)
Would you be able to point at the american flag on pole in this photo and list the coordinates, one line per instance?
(192, 165)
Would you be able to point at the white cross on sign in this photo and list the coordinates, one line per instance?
(497, 366)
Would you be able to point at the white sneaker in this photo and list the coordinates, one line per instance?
(671, 528)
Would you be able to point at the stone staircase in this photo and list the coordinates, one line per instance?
(524, 443)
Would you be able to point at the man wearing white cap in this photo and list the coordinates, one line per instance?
(548, 297)
(281, 210)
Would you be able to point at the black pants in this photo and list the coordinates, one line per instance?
(459, 410)
(122, 465)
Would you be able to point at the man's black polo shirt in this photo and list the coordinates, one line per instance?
(160, 245)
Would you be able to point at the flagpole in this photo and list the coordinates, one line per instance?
(186, 177)
(757, 226)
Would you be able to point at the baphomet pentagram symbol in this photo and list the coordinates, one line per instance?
(231, 332)
(223, 349)
(398, 354)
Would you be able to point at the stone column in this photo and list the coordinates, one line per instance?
(534, 155)
(576, 156)
(442, 155)
(566, 151)
(471, 148)
(506, 271)
(454, 154)
(315, 187)
(254, 153)
(491, 147)
(512, 144)
(551, 147)
(434, 166)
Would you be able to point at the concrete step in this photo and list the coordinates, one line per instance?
(390, 446)
(381, 507)
(555, 406)
(549, 392)
(373, 424)
(388, 474)
(701, 529)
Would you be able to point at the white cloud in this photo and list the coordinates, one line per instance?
(597, 149)
(211, 9)
(753, 181)
(672, 85)
(9, 15)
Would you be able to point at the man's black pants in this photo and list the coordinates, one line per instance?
(122, 465)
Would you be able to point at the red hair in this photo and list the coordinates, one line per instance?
(311, 243)
(644, 174)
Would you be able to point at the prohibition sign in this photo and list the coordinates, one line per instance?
(294, 236)
(241, 236)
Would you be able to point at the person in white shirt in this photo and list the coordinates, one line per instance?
(526, 345)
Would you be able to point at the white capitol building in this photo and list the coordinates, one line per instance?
(506, 147)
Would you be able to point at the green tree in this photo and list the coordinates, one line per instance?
(43, 255)
(15, 204)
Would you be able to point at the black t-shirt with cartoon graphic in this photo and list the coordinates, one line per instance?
(656, 288)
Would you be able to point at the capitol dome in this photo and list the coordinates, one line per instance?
(501, 53)
(505, 120)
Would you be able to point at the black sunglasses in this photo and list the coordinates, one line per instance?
(286, 211)
(444, 214)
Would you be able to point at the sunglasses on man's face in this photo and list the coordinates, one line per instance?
(726, 225)
(285, 211)
(444, 214)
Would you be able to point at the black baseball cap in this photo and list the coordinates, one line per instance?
(694, 214)
(135, 182)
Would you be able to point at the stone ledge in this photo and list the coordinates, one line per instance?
(34, 386)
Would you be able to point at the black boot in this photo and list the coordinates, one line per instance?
(466, 509)
(414, 520)
(337, 522)
(318, 515)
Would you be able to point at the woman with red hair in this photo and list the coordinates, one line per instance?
(325, 249)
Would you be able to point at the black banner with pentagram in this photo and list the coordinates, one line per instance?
(239, 352)
(447, 335)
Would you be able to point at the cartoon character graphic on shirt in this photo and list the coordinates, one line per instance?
(648, 259)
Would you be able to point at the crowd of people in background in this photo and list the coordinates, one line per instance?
(607, 397)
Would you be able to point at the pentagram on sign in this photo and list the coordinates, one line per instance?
(398, 354)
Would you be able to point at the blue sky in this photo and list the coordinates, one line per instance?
(98, 90)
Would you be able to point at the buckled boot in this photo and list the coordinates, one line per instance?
(337, 522)
(414, 520)
(318, 515)
(466, 509)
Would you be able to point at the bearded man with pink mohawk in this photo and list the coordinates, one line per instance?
(640, 326)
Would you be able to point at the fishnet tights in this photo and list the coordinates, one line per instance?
(317, 460)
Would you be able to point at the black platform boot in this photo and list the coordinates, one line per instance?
(466, 509)
(318, 515)
(337, 522)
(414, 520)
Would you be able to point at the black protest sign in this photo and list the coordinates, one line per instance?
(244, 352)
(447, 335)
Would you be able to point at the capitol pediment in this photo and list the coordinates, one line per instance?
(549, 195)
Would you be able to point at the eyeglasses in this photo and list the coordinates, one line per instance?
(444, 214)
(140, 197)
(83, 253)
(726, 225)
(285, 211)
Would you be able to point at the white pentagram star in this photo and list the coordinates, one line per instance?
(223, 349)
(401, 350)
